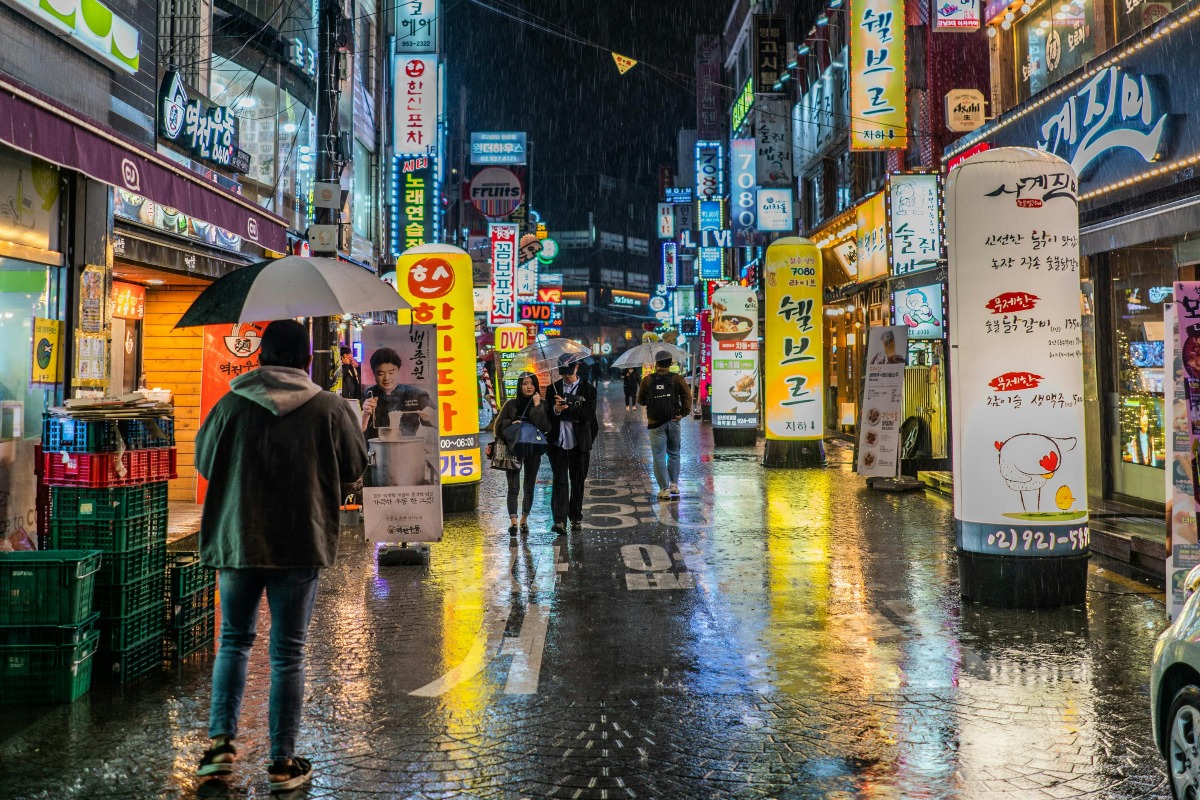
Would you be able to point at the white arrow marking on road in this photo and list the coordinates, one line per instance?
(476, 659)
(526, 651)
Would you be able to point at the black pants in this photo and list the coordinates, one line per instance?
(570, 469)
(630, 397)
(529, 467)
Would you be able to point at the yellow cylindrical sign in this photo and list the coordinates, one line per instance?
(793, 359)
(509, 339)
(436, 281)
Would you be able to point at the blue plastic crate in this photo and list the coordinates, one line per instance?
(69, 435)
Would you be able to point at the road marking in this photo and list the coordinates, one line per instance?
(526, 650)
(650, 568)
(476, 658)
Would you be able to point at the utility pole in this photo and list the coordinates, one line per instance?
(329, 168)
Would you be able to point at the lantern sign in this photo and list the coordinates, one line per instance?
(503, 238)
(734, 348)
(878, 104)
(436, 281)
(1016, 350)
(793, 361)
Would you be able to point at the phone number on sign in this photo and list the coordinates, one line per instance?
(1078, 539)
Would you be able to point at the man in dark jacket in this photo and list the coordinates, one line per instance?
(351, 378)
(275, 450)
(668, 399)
(573, 429)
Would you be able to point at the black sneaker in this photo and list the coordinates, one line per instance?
(558, 527)
(512, 530)
(576, 524)
(287, 774)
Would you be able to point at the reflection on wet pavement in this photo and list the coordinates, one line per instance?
(785, 634)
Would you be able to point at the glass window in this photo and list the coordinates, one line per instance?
(1135, 15)
(27, 290)
(1052, 41)
(363, 211)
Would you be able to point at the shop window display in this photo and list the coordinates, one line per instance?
(1052, 41)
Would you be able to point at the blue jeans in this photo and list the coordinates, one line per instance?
(290, 596)
(664, 444)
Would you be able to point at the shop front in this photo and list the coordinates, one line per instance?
(1126, 127)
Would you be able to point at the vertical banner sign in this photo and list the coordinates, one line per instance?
(503, 238)
(415, 207)
(414, 116)
(710, 257)
(770, 52)
(734, 347)
(710, 178)
(914, 223)
(402, 495)
(878, 105)
(229, 351)
(743, 179)
(706, 357)
(416, 26)
(509, 339)
(883, 402)
(1016, 350)
(666, 220)
(1182, 550)
(709, 107)
(436, 280)
(670, 264)
(793, 361)
(870, 236)
(773, 134)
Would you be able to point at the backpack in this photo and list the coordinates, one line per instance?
(663, 397)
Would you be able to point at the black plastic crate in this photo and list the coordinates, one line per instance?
(131, 598)
(134, 565)
(110, 536)
(123, 632)
(125, 666)
(198, 635)
(69, 435)
(188, 575)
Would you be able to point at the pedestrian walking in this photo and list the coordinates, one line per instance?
(667, 399)
(630, 380)
(351, 377)
(527, 406)
(573, 429)
(276, 451)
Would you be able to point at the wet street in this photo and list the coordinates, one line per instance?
(774, 634)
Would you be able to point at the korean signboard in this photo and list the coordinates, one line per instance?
(509, 339)
(209, 132)
(670, 264)
(773, 134)
(1183, 552)
(710, 255)
(402, 496)
(882, 402)
(128, 300)
(436, 280)
(1016, 350)
(793, 359)
(769, 52)
(820, 112)
(734, 346)
(870, 237)
(919, 309)
(775, 210)
(915, 223)
(878, 103)
(743, 202)
(501, 147)
(710, 173)
(503, 238)
(416, 207)
(956, 16)
(666, 220)
(416, 26)
(228, 351)
(496, 192)
(414, 117)
(704, 386)
(708, 86)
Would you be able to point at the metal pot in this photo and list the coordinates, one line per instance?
(398, 463)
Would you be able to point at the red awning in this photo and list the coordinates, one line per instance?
(31, 122)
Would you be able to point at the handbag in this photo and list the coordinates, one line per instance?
(523, 439)
(501, 457)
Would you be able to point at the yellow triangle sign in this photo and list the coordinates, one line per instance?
(624, 63)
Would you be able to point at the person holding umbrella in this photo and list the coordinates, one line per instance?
(573, 429)
(526, 406)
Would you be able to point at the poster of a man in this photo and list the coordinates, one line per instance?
(387, 393)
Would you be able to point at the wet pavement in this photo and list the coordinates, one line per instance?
(774, 634)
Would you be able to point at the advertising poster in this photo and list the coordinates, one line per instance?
(47, 343)
(436, 280)
(878, 103)
(509, 339)
(1182, 550)
(733, 329)
(503, 239)
(402, 496)
(228, 351)
(91, 300)
(883, 402)
(1016, 349)
(919, 309)
(793, 361)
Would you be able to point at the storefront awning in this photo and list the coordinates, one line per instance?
(41, 127)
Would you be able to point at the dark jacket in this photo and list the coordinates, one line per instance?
(682, 391)
(276, 451)
(351, 382)
(511, 413)
(630, 381)
(582, 414)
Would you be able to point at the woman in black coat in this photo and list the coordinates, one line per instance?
(526, 405)
(632, 380)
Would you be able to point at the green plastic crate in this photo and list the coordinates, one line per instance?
(125, 666)
(47, 587)
(47, 673)
(51, 635)
(124, 632)
(119, 503)
(132, 598)
(132, 566)
(111, 536)
(199, 635)
(186, 610)
(188, 575)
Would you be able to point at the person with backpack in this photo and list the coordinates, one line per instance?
(527, 406)
(631, 384)
(667, 399)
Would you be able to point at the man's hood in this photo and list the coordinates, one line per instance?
(280, 390)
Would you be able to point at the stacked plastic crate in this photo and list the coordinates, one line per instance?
(193, 606)
(48, 633)
(108, 491)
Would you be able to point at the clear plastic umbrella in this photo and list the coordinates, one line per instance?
(647, 354)
(541, 357)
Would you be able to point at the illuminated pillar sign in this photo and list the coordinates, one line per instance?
(710, 177)
(670, 264)
(915, 223)
(743, 180)
(413, 206)
(503, 239)
(794, 355)
(878, 105)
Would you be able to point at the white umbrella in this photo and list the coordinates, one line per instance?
(541, 357)
(647, 354)
(290, 287)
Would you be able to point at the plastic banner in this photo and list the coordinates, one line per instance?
(883, 402)
(1182, 550)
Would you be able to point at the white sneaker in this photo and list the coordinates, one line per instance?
(664, 494)
(674, 490)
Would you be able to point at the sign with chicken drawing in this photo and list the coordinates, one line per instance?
(734, 332)
(1016, 355)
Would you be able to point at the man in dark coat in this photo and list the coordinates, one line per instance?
(351, 378)
(573, 429)
(275, 450)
